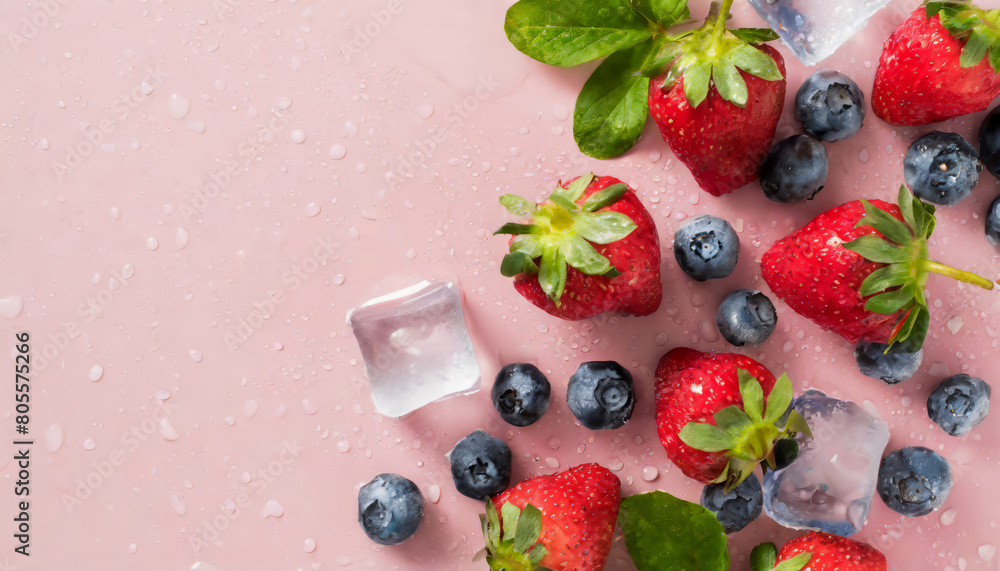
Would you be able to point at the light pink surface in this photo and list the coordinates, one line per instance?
(348, 141)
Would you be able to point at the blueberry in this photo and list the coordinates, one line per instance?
(706, 248)
(745, 317)
(786, 450)
(830, 106)
(601, 395)
(914, 481)
(989, 142)
(993, 222)
(893, 367)
(480, 465)
(521, 394)
(794, 170)
(736, 508)
(959, 404)
(390, 508)
(941, 168)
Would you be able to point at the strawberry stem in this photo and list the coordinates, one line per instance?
(959, 275)
(720, 24)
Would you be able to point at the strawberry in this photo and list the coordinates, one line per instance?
(565, 521)
(833, 269)
(719, 103)
(591, 247)
(719, 414)
(818, 551)
(935, 65)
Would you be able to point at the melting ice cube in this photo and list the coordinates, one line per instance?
(814, 29)
(829, 486)
(415, 347)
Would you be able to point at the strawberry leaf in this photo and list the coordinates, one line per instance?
(529, 526)
(975, 49)
(877, 249)
(517, 263)
(603, 227)
(890, 302)
(885, 224)
(517, 229)
(754, 62)
(492, 524)
(733, 420)
(612, 107)
(664, 532)
(563, 201)
(796, 563)
(510, 514)
(664, 13)
(605, 197)
(778, 399)
(518, 206)
(752, 393)
(571, 32)
(729, 83)
(536, 554)
(884, 278)
(755, 35)
(573, 192)
(582, 256)
(706, 437)
(552, 274)
(796, 423)
(529, 244)
(696, 83)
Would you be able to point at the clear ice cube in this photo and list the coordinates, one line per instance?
(829, 486)
(814, 29)
(415, 346)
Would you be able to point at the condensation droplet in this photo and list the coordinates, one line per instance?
(54, 438)
(649, 473)
(95, 374)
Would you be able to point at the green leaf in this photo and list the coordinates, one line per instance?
(755, 35)
(603, 227)
(752, 393)
(529, 244)
(664, 13)
(529, 527)
(778, 399)
(571, 32)
(908, 209)
(729, 83)
(605, 197)
(537, 553)
(876, 249)
(696, 83)
(706, 437)
(733, 420)
(914, 329)
(518, 206)
(754, 62)
(574, 191)
(664, 57)
(612, 274)
(582, 256)
(884, 278)
(518, 229)
(552, 273)
(884, 223)
(510, 514)
(994, 56)
(666, 533)
(492, 524)
(517, 263)
(763, 556)
(796, 563)
(975, 49)
(797, 423)
(612, 107)
(890, 302)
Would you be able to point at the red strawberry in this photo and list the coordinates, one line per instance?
(717, 414)
(591, 247)
(562, 522)
(721, 142)
(830, 269)
(818, 551)
(934, 66)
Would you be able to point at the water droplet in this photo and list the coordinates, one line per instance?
(195, 355)
(410, 254)
(434, 493)
(649, 473)
(178, 504)
(298, 136)
(250, 408)
(220, 84)
(132, 548)
(948, 517)
(162, 394)
(337, 152)
(309, 545)
(178, 106)
(128, 271)
(167, 430)
(312, 209)
(115, 213)
(343, 446)
(96, 372)
(863, 155)
(196, 126)
(338, 279)
(424, 111)
(11, 307)
(987, 551)
(552, 462)
(54, 438)
(272, 509)
(309, 407)
(283, 103)
(180, 239)
(152, 243)
(554, 443)
(89, 443)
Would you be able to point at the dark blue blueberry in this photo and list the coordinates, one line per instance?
(706, 248)
(390, 508)
(746, 317)
(521, 394)
(601, 395)
(794, 170)
(893, 367)
(941, 168)
(993, 222)
(786, 451)
(480, 465)
(914, 481)
(736, 508)
(830, 106)
(989, 142)
(959, 404)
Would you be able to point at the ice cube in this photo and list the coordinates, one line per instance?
(415, 346)
(814, 29)
(829, 487)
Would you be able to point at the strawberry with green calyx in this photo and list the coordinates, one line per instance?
(718, 415)
(719, 101)
(860, 269)
(817, 551)
(764, 557)
(563, 521)
(589, 248)
(942, 61)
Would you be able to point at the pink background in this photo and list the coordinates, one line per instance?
(323, 146)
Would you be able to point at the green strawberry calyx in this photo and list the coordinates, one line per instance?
(712, 55)
(562, 233)
(512, 537)
(978, 28)
(748, 434)
(764, 558)
(897, 288)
